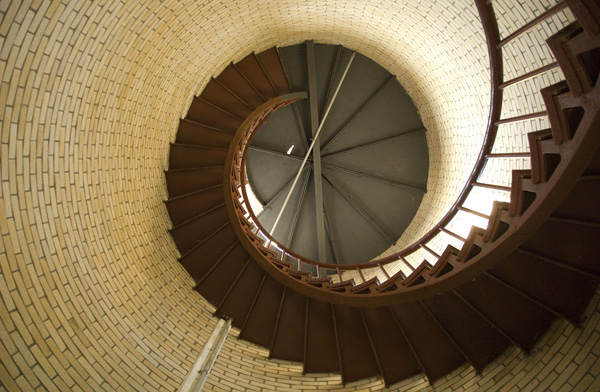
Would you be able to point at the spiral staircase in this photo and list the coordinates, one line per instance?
(536, 261)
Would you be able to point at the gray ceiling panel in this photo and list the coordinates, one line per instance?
(374, 172)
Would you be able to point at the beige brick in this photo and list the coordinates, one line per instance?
(92, 294)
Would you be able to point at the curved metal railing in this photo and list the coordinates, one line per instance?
(380, 281)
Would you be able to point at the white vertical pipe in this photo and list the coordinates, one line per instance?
(201, 369)
(315, 138)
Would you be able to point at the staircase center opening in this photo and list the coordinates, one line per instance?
(366, 175)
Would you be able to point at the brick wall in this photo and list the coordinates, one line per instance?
(90, 96)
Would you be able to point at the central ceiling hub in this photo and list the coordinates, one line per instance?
(366, 174)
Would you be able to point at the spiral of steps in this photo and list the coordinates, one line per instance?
(553, 272)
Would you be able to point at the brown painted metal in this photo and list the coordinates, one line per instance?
(198, 228)
(198, 260)
(521, 319)
(587, 13)
(271, 64)
(185, 156)
(469, 306)
(476, 337)
(570, 291)
(321, 348)
(181, 182)
(236, 305)
(233, 80)
(191, 132)
(221, 271)
(253, 71)
(219, 95)
(182, 208)
(353, 338)
(207, 113)
(532, 23)
(289, 341)
(262, 317)
(437, 353)
(395, 356)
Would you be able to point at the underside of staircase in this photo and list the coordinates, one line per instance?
(551, 272)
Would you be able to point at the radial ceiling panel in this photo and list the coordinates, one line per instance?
(289, 218)
(268, 172)
(402, 159)
(379, 120)
(352, 232)
(280, 132)
(363, 80)
(373, 171)
(392, 210)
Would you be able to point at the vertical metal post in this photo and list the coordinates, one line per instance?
(313, 143)
(314, 124)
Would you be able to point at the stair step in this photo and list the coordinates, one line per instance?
(271, 62)
(544, 157)
(577, 56)
(235, 81)
(587, 13)
(181, 182)
(570, 291)
(201, 258)
(254, 73)
(219, 95)
(579, 205)
(521, 194)
(206, 113)
(432, 346)
(395, 356)
(236, 305)
(357, 357)
(260, 324)
(564, 111)
(193, 204)
(320, 345)
(288, 343)
(569, 243)
(520, 320)
(462, 323)
(223, 269)
(185, 156)
(194, 133)
(197, 229)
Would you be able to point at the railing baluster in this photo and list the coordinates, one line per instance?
(453, 234)
(384, 271)
(477, 213)
(407, 263)
(361, 275)
(522, 117)
(430, 251)
(508, 155)
(492, 186)
(528, 75)
(532, 23)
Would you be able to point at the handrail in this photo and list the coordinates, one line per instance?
(424, 279)
(492, 33)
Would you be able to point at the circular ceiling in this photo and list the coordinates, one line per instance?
(364, 179)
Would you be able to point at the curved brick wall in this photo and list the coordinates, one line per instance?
(91, 93)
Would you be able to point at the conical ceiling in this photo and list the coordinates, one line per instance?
(366, 176)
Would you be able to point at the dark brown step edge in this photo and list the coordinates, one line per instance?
(186, 222)
(183, 196)
(219, 108)
(192, 249)
(216, 264)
